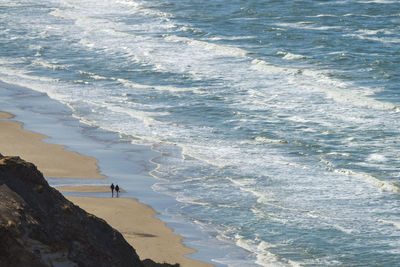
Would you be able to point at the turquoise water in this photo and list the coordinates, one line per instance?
(276, 122)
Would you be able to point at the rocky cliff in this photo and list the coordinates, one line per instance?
(39, 227)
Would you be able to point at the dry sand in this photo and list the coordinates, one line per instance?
(148, 235)
(51, 159)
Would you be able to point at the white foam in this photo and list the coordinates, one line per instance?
(364, 15)
(382, 185)
(13, 73)
(297, 118)
(264, 140)
(95, 76)
(323, 15)
(131, 84)
(394, 223)
(49, 65)
(291, 56)
(143, 116)
(376, 158)
(341, 91)
(11, 4)
(374, 32)
(20, 78)
(154, 12)
(345, 229)
(192, 30)
(187, 200)
(59, 13)
(191, 151)
(264, 66)
(382, 39)
(248, 185)
(339, 153)
(307, 25)
(231, 38)
(318, 81)
(221, 49)
(242, 182)
(128, 3)
(264, 256)
(377, 1)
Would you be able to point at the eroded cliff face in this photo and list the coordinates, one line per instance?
(39, 227)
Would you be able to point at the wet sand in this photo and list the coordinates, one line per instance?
(88, 189)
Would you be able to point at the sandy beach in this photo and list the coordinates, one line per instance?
(51, 159)
(150, 237)
(87, 189)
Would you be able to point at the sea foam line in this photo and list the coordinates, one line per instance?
(222, 49)
(264, 256)
(339, 91)
(382, 185)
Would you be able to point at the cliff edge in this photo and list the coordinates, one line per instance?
(39, 227)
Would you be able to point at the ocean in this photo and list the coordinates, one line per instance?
(274, 125)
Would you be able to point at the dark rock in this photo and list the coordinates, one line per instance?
(39, 227)
(150, 263)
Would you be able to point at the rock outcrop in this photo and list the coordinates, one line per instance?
(39, 227)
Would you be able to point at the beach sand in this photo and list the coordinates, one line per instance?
(150, 237)
(5, 115)
(51, 159)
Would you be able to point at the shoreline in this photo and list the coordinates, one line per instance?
(149, 236)
(153, 239)
(86, 189)
(56, 162)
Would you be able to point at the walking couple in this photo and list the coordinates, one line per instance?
(116, 189)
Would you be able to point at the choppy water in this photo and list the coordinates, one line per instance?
(277, 121)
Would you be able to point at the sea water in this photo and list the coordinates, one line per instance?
(276, 123)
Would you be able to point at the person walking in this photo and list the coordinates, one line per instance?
(117, 190)
(112, 189)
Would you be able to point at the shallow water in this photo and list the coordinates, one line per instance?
(276, 123)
